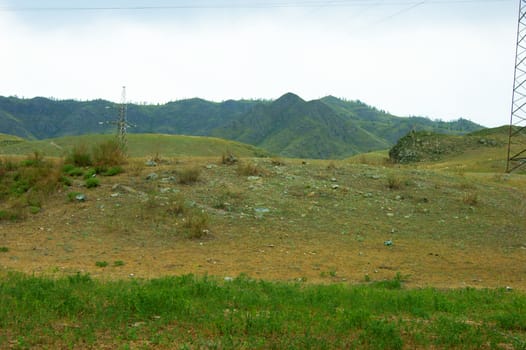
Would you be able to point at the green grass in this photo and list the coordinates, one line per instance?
(189, 312)
(139, 145)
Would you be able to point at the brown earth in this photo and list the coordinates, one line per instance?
(325, 223)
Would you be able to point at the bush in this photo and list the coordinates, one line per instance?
(92, 182)
(470, 198)
(79, 156)
(249, 169)
(101, 263)
(196, 224)
(108, 154)
(188, 176)
(394, 182)
(114, 170)
(228, 158)
(75, 171)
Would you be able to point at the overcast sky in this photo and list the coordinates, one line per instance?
(437, 58)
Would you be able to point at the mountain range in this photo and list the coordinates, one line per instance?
(289, 126)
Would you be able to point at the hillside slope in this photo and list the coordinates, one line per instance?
(139, 145)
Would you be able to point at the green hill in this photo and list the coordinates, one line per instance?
(289, 126)
(139, 145)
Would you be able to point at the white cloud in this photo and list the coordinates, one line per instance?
(459, 69)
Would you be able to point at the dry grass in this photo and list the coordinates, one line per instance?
(288, 225)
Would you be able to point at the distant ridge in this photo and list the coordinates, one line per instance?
(289, 126)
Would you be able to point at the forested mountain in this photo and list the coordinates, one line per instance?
(289, 126)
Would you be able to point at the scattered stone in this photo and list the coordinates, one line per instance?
(168, 179)
(211, 166)
(253, 178)
(388, 243)
(152, 176)
(228, 279)
(398, 198)
(335, 187)
(151, 163)
(261, 211)
(114, 195)
(333, 179)
(509, 289)
(390, 215)
(368, 195)
(138, 324)
(123, 188)
(165, 190)
(80, 197)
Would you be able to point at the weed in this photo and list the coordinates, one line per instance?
(4, 249)
(79, 156)
(228, 158)
(75, 171)
(101, 263)
(34, 210)
(34, 160)
(381, 334)
(470, 198)
(108, 154)
(367, 278)
(112, 171)
(118, 263)
(249, 169)
(92, 182)
(394, 182)
(72, 196)
(277, 162)
(196, 224)
(332, 166)
(188, 176)
(65, 181)
(395, 283)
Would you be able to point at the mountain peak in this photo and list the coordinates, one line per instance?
(288, 98)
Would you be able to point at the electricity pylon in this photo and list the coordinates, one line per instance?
(122, 122)
(517, 132)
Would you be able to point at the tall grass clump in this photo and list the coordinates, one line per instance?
(25, 186)
(249, 169)
(195, 224)
(188, 176)
(79, 156)
(394, 182)
(107, 154)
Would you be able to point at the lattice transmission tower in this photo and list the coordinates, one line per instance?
(517, 133)
(122, 122)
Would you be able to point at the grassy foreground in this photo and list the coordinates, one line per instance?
(187, 312)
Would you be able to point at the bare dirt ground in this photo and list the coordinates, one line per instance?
(313, 230)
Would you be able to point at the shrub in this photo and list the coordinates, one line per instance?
(188, 176)
(90, 173)
(108, 154)
(75, 171)
(394, 182)
(92, 182)
(196, 224)
(114, 170)
(249, 169)
(4, 249)
(101, 263)
(34, 160)
(228, 158)
(470, 198)
(79, 156)
(73, 196)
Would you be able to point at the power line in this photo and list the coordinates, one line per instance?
(256, 5)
